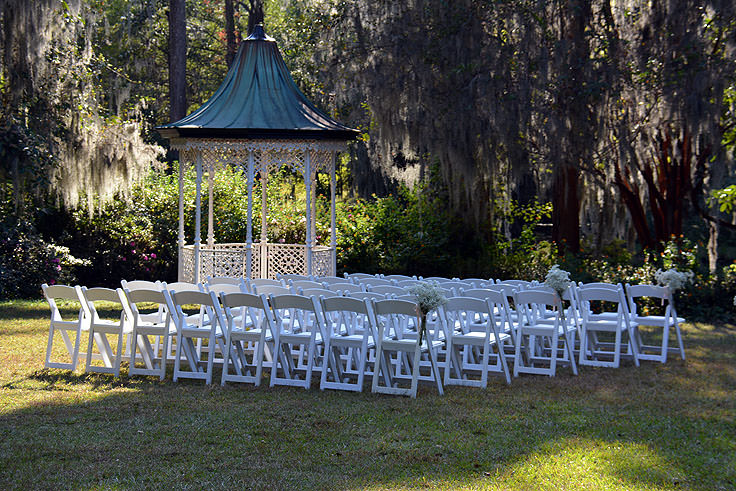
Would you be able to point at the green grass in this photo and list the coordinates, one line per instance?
(654, 427)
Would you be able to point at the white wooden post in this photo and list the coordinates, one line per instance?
(249, 228)
(264, 224)
(198, 219)
(333, 234)
(180, 272)
(210, 212)
(308, 192)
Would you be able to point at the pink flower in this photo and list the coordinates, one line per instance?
(52, 281)
(153, 255)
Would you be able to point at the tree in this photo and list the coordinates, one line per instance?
(177, 60)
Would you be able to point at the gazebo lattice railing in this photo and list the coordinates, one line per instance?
(256, 259)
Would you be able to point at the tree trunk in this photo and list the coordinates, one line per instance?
(232, 44)
(566, 210)
(177, 60)
(255, 14)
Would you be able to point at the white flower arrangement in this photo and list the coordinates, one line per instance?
(557, 279)
(673, 279)
(429, 297)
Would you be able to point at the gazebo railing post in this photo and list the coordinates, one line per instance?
(180, 242)
(210, 202)
(265, 273)
(249, 228)
(333, 234)
(198, 220)
(308, 192)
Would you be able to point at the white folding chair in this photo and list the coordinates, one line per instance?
(329, 280)
(472, 330)
(64, 327)
(294, 277)
(362, 295)
(502, 309)
(356, 276)
(302, 284)
(318, 292)
(534, 329)
(617, 322)
(391, 319)
(145, 326)
(371, 282)
(398, 277)
(251, 335)
(348, 341)
(271, 290)
(292, 338)
(668, 321)
(100, 328)
(186, 332)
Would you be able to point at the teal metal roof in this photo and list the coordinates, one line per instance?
(258, 99)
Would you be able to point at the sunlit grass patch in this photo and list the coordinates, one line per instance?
(658, 426)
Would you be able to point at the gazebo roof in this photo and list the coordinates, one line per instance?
(258, 100)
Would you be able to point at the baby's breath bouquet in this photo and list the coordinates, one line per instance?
(673, 279)
(559, 280)
(429, 297)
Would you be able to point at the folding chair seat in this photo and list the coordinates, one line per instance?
(100, 328)
(668, 321)
(388, 290)
(64, 327)
(534, 329)
(472, 330)
(301, 333)
(391, 320)
(187, 331)
(344, 288)
(145, 326)
(617, 322)
(253, 335)
(348, 341)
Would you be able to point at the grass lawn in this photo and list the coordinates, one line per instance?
(655, 427)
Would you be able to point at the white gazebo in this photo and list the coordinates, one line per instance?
(260, 120)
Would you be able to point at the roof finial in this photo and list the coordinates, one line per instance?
(259, 34)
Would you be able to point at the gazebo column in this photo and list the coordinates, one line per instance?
(308, 193)
(180, 272)
(264, 224)
(333, 233)
(198, 219)
(249, 228)
(210, 211)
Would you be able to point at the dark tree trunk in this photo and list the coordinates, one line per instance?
(177, 60)
(566, 209)
(255, 14)
(232, 44)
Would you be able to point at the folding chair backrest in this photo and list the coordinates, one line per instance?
(398, 316)
(435, 278)
(303, 312)
(221, 288)
(256, 307)
(370, 282)
(608, 286)
(366, 295)
(60, 292)
(455, 285)
(388, 290)
(398, 277)
(329, 280)
(601, 294)
(492, 295)
(355, 276)
(345, 314)
(532, 302)
(319, 292)
(344, 287)
(183, 286)
(301, 284)
(134, 297)
(647, 291)
(223, 280)
(271, 290)
(478, 282)
(295, 277)
(407, 283)
(141, 285)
